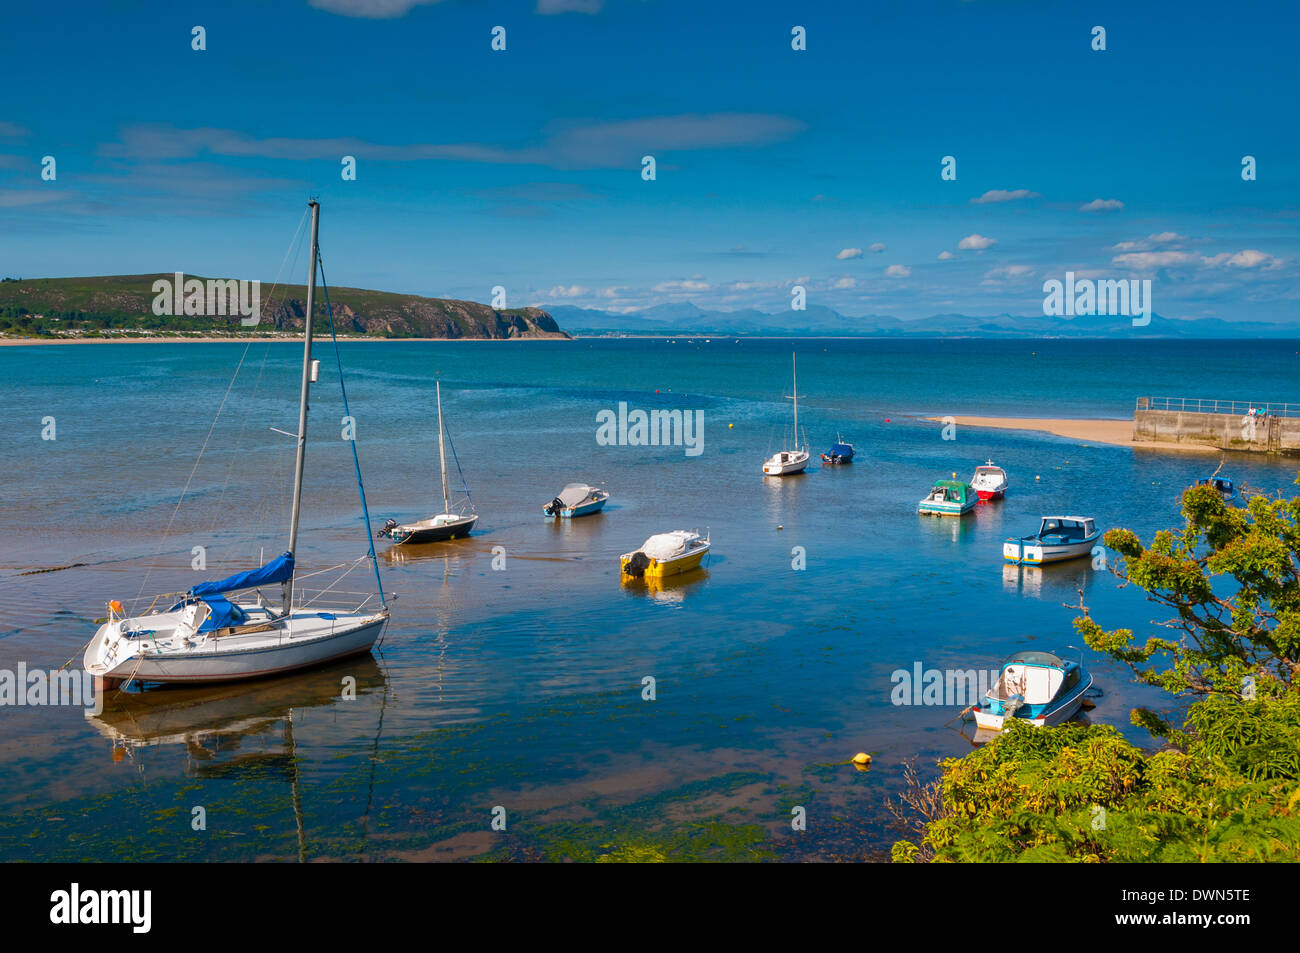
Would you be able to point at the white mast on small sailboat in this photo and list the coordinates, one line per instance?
(442, 454)
(794, 371)
(302, 401)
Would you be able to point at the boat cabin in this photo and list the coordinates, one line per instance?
(1066, 529)
(1222, 484)
(1036, 677)
(949, 491)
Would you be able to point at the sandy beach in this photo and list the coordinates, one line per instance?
(1118, 433)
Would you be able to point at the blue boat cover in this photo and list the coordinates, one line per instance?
(277, 570)
(841, 450)
(223, 613)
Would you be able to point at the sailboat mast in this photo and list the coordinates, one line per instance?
(442, 454)
(794, 371)
(302, 400)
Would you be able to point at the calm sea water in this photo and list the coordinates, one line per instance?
(521, 688)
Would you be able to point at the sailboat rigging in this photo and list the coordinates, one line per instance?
(789, 462)
(209, 635)
(446, 525)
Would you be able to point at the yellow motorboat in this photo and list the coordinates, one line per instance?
(666, 554)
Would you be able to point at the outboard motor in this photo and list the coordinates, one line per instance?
(637, 565)
(554, 507)
(389, 526)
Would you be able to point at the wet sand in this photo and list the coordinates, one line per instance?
(1118, 433)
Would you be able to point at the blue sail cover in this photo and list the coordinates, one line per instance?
(223, 613)
(277, 570)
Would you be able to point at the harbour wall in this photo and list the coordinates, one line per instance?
(1222, 431)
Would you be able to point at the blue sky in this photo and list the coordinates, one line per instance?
(774, 167)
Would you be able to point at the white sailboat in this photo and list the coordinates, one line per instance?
(787, 462)
(207, 637)
(446, 525)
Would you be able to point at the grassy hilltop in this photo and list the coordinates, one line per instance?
(122, 306)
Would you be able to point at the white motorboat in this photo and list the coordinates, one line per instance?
(1057, 539)
(989, 482)
(787, 462)
(206, 637)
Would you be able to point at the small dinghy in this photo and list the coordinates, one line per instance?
(989, 481)
(840, 452)
(665, 554)
(948, 498)
(1058, 538)
(576, 499)
(1037, 687)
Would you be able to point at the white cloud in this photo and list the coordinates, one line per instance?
(976, 243)
(843, 283)
(1101, 205)
(897, 271)
(946, 256)
(846, 253)
(573, 291)
(1145, 260)
(876, 248)
(679, 287)
(1152, 241)
(1249, 258)
(618, 144)
(550, 7)
(1010, 271)
(1003, 195)
(370, 9)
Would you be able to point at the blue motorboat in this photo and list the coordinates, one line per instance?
(1037, 687)
(1223, 485)
(840, 452)
(576, 499)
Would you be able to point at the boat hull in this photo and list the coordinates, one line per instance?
(945, 509)
(355, 636)
(987, 495)
(668, 567)
(788, 468)
(1032, 552)
(434, 534)
(1060, 712)
(586, 509)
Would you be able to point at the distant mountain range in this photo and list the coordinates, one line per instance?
(117, 305)
(686, 318)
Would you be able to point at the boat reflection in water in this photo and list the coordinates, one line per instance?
(1061, 581)
(665, 589)
(214, 721)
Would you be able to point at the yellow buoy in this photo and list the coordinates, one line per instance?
(730, 426)
(1037, 478)
(779, 526)
(862, 758)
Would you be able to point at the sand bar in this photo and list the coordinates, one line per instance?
(1118, 433)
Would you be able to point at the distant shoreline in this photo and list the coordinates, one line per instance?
(273, 338)
(1112, 432)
